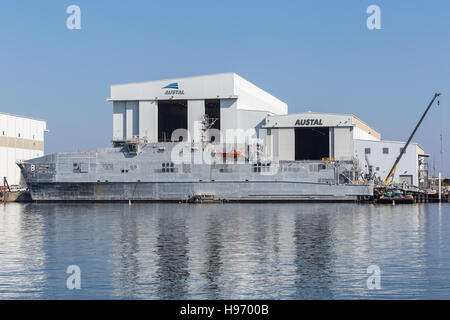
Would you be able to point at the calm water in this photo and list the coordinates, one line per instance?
(242, 251)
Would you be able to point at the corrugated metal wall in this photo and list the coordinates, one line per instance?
(20, 139)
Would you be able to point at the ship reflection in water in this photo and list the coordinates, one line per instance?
(223, 251)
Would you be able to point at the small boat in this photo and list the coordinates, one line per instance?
(202, 198)
(396, 196)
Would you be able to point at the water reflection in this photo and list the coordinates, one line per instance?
(273, 251)
(213, 261)
(313, 254)
(126, 248)
(172, 249)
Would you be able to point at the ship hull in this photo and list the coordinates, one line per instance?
(182, 191)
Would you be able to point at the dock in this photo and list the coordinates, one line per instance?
(396, 194)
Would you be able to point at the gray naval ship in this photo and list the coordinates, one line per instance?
(293, 157)
(139, 171)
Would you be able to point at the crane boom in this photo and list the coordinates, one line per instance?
(410, 138)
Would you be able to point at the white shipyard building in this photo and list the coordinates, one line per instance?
(316, 136)
(153, 110)
(21, 138)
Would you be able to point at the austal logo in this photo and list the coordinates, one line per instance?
(173, 89)
(309, 122)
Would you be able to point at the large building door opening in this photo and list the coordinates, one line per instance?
(212, 109)
(312, 143)
(172, 115)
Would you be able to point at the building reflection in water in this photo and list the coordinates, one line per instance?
(126, 248)
(22, 259)
(313, 253)
(172, 271)
(213, 255)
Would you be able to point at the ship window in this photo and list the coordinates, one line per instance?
(168, 167)
(367, 150)
(84, 168)
(385, 150)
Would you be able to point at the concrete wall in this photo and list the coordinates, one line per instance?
(286, 144)
(251, 119)
(148, 120)
(252, 97)
(342, 143)
(360, 134)
(132, 119)
(119, 124)
(280, 144)
(228, 115)
(200, 87)
(407, 166)
(126, 120)
(324, 120)
(196, 110)
(21, 138)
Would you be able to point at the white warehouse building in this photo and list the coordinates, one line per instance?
(379, 156)
(319, 136)
(153, 110)
(21, 138)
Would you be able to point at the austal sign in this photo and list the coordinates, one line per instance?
(309, 122)
(173, 89)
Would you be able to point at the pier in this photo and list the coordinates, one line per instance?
(398, 194)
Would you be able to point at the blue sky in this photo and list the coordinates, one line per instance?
(314, 55)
